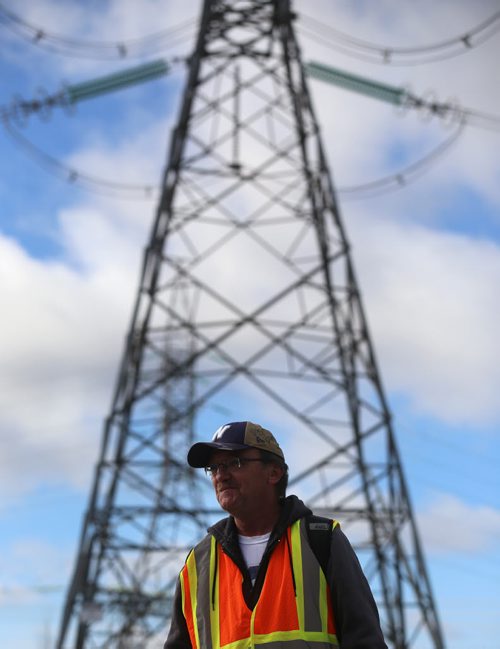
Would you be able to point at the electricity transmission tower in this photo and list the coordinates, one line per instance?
(248, 308)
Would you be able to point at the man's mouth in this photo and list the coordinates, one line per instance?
(225, 488)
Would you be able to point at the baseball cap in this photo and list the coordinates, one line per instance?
(235, 436)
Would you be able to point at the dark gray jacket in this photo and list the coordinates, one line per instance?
(354, 609)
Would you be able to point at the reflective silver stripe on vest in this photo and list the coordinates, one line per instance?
(311, 572)
(298, 644)
(204, 592)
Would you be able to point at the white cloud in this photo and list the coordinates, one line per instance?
(63, 328)
(116, 23)
(61, 336)
(451, 525)
(432, 301)
(27, 567)
(64, 320)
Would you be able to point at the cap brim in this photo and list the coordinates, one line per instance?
(199, 454)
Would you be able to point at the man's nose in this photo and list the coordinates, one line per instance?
(222, 472)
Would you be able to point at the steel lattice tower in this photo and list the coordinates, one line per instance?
(248, 303)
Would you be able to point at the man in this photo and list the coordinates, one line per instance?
(255, 579)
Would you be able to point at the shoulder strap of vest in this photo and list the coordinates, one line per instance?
(319, 534)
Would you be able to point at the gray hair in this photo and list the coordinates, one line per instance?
(272, 458)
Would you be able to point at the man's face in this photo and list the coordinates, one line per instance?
(244, 489)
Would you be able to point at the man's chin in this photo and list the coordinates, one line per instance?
(227, 499)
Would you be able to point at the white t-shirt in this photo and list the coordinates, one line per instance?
(252, 549)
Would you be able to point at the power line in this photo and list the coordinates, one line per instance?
(41, 589)
(447, 442)
(443, 460)
(21, 109)
(101, 50)
(482, 120)
(95, 184)
(403, 177)
(376, 53)
(447, 469)
(399, 96)
(146, 191)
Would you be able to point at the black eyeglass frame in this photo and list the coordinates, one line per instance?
(231, 465)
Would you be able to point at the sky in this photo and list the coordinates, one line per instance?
(426, 250)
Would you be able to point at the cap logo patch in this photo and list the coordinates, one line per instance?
(220, 432)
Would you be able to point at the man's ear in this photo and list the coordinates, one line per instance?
(276, 473)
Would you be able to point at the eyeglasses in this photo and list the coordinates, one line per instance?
(231, 465)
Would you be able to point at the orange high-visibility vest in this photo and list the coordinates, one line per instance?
(293, 606)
